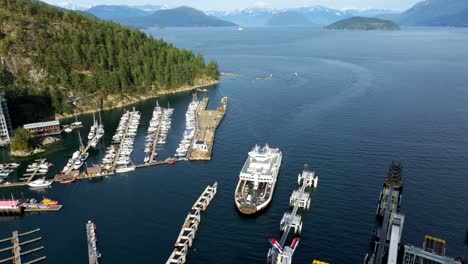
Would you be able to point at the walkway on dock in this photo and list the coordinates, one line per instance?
(207, 123)
(190, 226)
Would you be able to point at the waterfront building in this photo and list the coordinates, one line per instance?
(6, 129)
(44, 128)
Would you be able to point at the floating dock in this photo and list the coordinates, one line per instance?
(41, 208)
(278, 253)
(93, 253)
(207, 123)
(190, 226)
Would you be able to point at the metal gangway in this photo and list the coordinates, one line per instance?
(17, 250)
(189, 228)
(414, 255)
(299, 199)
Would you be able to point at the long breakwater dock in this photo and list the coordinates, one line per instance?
(93, 253)
(190, 226)
(37, 169)
(207, 123)
(278, 253)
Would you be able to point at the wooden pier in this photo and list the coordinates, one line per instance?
(189, 228)
(28, 177)
(18, 248)
(207, 123)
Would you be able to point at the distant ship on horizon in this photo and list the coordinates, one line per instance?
(257, 179)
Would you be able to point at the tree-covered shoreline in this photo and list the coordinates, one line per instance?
(61, 55)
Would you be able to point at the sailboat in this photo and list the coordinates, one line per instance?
(94, 127)
(100, 129)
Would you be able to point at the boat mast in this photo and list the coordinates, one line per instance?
(100, 119)
(94, 118)
(81, 141)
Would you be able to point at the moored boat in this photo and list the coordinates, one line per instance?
(47, 201)
(68, 180)
(40, 183)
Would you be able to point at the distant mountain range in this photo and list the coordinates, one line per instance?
(425, 13)
(288, 18)
(116, 12)
(177, 17)
(434, 13)
(314, 15)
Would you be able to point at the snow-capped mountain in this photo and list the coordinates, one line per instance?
(260, 15)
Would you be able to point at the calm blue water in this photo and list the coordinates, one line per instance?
(358, 101)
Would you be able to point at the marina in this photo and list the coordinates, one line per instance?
(189, 228)
(196, 144)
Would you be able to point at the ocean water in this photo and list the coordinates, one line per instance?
(346, 103)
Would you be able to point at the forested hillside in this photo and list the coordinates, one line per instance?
(56, 55)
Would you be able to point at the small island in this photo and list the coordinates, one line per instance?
(364, 23)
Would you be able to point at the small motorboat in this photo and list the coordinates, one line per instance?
(125, 169)
(40, 183)
(14, 165)
(171, 161)
(68, 180)
(75, 155)
(47, 201)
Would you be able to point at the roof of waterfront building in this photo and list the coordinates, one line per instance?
(42, 124)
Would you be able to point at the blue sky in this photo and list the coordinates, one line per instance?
(239, 4)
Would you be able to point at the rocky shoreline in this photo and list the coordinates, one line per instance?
(132, 99)
(21, 153)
